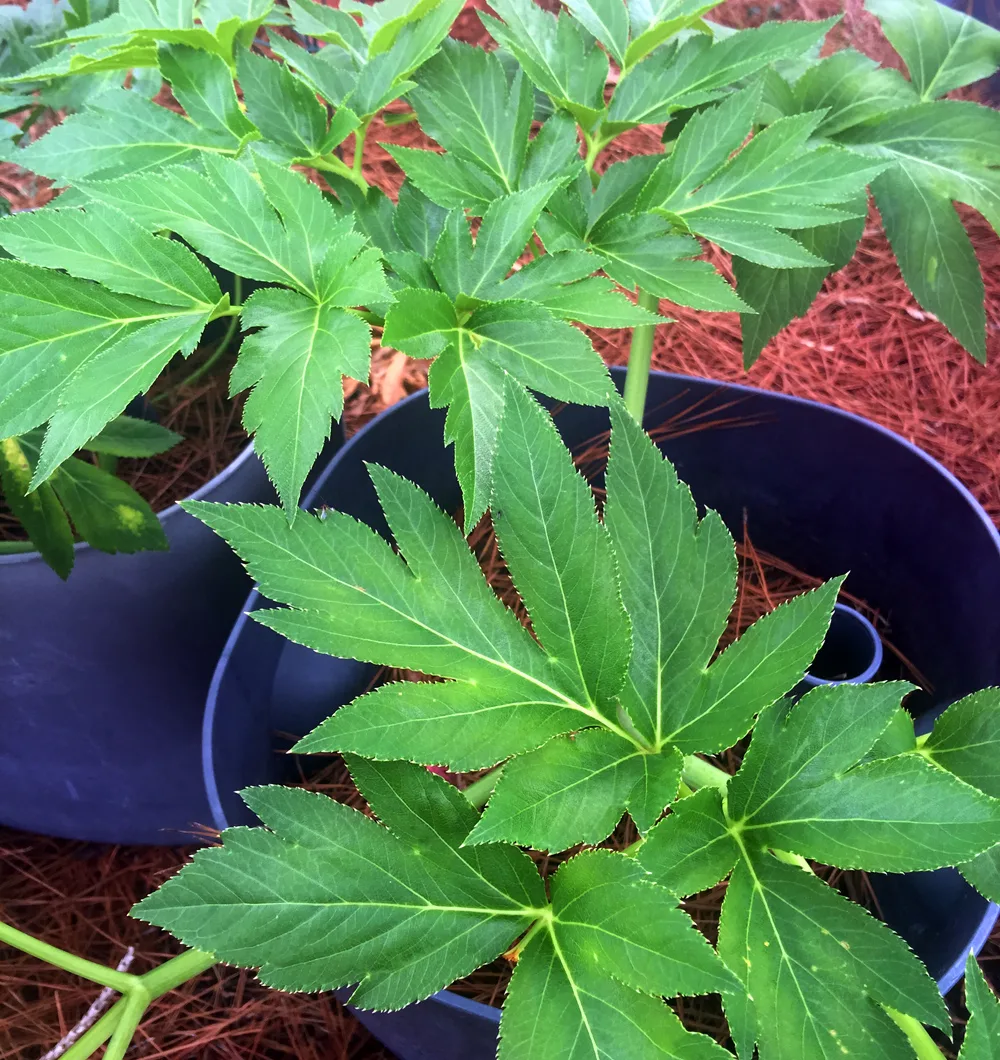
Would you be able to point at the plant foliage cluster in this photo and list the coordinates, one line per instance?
(503, 238)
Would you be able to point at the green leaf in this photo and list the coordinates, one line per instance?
(104, 244)
(655, 22)
(678, 599)
(106, 512)
(596, 303)
(330, 72)
(329, 24)
(275, 897)
(557, 54)
(800, 790)
(852, 89)
(121, 133)
(418, 221)
(943, 151)
(54, 326)
(130, 436)
(457, 723)
(571, 790)
(692, 849)
(203, 85)
(982, 1032)
(966, 738)
(277, 230)
(285, 110)
(295, 366)
(101, 388)
(39, 512)
(464, 102)
(563, 1002)
(559, 555)
(777, 179)
(814, 965)
(677, 577)
(608, 21)
(983, 872)
(781, 295)
(700, 70)
(943, 49)
(760, 244)
(642, 251)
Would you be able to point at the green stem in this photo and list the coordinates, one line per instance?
(332, 164)
(68, 962)
(219, 350)
(156, 983)
(359, 149)
(698, 773)
(8, 548)
(136, 1004)
(640, 359)
(539, 925)
(923, 1044)
(479, 791)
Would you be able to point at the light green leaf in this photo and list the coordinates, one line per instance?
(295, 366)
(329, 24)
(131, 436)
(571, 790)
(203, 85)
(677, 577)
(781, 295)
(101, 388)
(942, 48)
(759, 243)
(692, 849)
(55, 324)
(465, 104)
(608, 21)
(852, 89)
(106, 512)
(983, 872)
(285, 110)
(814, 965)
(982, 1032)
(596, 303)
(330, 72)
(966, 738)
(121, 133)
(275, 897)
(447, 179)
(657, 21)
(39, 512)
(104, 244)
(642, 251)
(700, 69)
(557, 54)
(800, 790)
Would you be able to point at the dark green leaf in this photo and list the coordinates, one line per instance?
(982, 1032)
(203, 85)
(277, 897)
(39, 512)
(965, 740)
(942, 48)
(106, 512)
(130, 436)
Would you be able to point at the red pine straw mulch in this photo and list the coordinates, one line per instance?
(865, 346)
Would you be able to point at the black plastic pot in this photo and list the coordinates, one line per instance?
(103, 678)
(825, 490)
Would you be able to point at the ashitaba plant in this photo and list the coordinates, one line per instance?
(616, 700)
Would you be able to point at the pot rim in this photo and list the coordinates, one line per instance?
(7, 559)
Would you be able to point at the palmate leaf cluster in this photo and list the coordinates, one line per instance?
(768, 151)
(600, 710)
